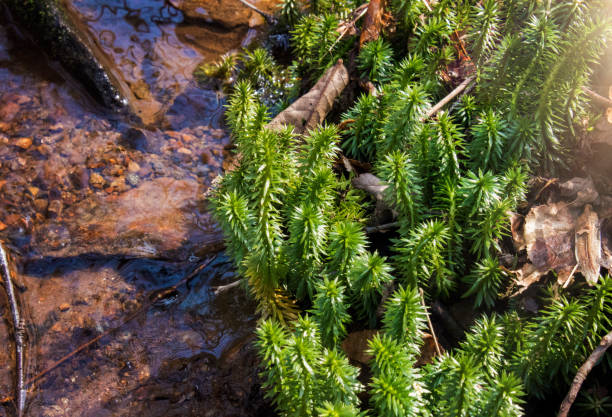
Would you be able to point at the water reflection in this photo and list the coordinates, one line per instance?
(149, 48)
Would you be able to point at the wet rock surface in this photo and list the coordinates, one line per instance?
(228, 14)
(53, 29)
(151, 47)
(188, 355)
(157, 219)
(99, 214)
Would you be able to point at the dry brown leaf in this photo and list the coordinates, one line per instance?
(581, 189)
(609, 109)
(588, 244)
(565, 237)
(310, 109)
(372, 23)
(371, 184)
(356, 346)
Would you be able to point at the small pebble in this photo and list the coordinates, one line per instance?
(64, 307)
(132, 179)
(24, 143)
(96, 180)
(133, 167)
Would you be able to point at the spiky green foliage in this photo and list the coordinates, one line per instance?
(237, 225)
(339, 410)
(257, 64)
(449, 147)
(329, 310)
(306, 247)
(364, 129)
(347, 242)
(541, 65)
(505, 397)
(241, 109)
(408, 70)
(404, 190)
(485, 282)
(458, 386)
(396, 389)
(548, 344)
(485, 21)
(407, 11)
(488, 141)
(299, 374)
(514, 181)
(467, 110)
(290, 12)
(592, 404)
(479, 191)
(320, 149)
(376, 61)
(421, 257)
(489, 227)
(316, 42)
(485, 343)
(598, 317)
(405, 318)
(367, 276)
(295, 224)
(405, 114)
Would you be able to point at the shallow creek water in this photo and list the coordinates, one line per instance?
(100, 214)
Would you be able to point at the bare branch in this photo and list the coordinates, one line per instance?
(601, 100)
(582, 373)
(221, 288)
(450, 96)
(431, 329)
(269, 18)
(18, 330)
(382, 228)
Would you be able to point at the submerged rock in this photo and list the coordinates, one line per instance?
(226, 13)
(53, 29)
(158, 219)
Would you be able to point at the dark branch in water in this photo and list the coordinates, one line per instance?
(148, 302)
(18, 330)
(269, 18)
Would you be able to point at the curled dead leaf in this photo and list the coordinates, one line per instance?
(309, 110)
(565, 237)
(588, 244)
(371, 184)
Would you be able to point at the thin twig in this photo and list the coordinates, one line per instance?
(382, 227)
(269, 18)
(450, 96)
(545, 186)
(149, 301)
(431, 329)
(361, 11)
(18, 330)
(458, 101)
(221, 288)
(582, 373)
(601, 100)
